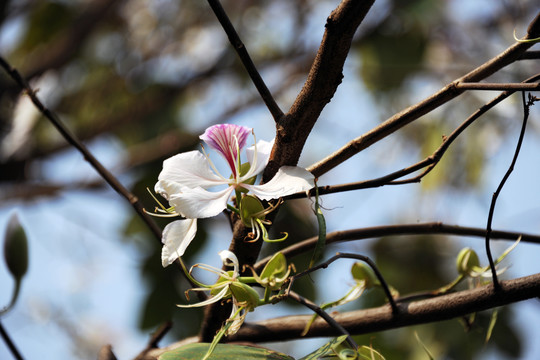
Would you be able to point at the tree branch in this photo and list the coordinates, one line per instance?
(497, 87)
(323, 79)
(414, 112)
(246, 60)
(358, 322)
(72, 139)
(381, 318)
(398, 230)
(293, 128)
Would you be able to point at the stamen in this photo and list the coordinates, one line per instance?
(211, 163)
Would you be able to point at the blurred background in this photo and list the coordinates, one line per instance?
(139, 81)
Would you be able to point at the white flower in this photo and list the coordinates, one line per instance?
(186, 177)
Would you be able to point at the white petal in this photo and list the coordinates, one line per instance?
(228, 258)
(190, 169)
(237, 321)
(176, 237)
(208, 301)
(264, 148)
(288, 180)
(200, 203)
(165, 188)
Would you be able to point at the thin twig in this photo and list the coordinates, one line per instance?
(241, 50)
(398, 230)
(10, 344)
(428, 163)
(155, 339)
(499, 188)
(363, 258)
(72, 139)
(331, 322)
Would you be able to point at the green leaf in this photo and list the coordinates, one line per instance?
(491, 326)
(223, 352)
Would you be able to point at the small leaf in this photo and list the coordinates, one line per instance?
(223, 352)
(491, 326)
(430, 356)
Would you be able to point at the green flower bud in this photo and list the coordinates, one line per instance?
(467, 260)
(361, 271)
(16, 248)
(250, 207)
(275, 273)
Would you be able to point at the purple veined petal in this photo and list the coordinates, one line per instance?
(200, 203)
(228, 139)
(264, 148)
(288, 180)
(175, 238)
(190, 169)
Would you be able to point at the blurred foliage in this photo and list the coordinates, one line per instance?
(153, 74)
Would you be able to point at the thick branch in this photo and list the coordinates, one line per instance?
(381, 318)
(414, 112)
(293, 128)
(324, 77)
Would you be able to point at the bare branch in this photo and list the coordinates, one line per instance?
(399, 230)
(363, 258)
(155, 339)
(414, 112)
(241, 50)
(9, 343)
(324, 77)
(358, 322)
(72, 139)
(497, 87)
(526, 106)
(329, 320)
(378, 319)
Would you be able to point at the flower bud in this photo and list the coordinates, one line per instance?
(361, 271)
(16, 248)
(467, 260)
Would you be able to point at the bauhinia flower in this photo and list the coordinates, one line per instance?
(187, 177)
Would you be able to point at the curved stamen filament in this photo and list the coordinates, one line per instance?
(211, 163)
